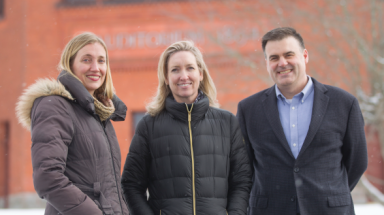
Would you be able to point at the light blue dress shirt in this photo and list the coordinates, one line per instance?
(295, 115)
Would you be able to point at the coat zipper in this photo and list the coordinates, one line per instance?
(193, 159)
(113, 165)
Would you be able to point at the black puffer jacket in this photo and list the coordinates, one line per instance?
(76, 158)
(213, 178)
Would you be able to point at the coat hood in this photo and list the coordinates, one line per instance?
(42, 87)
(68, 87)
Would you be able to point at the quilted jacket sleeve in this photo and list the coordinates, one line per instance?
(240, 177)
(52, 131)
(250, 152)
(135, 174)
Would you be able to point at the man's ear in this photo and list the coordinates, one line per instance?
(306, 55)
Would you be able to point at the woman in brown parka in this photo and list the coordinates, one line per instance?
(75, 153)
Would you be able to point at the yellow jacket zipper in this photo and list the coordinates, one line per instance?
(193, 159)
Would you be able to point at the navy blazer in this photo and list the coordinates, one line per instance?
(330, 163)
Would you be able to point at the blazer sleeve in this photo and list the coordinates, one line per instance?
(354, 149)
(52, 131)
(240, 175)
(136, 172)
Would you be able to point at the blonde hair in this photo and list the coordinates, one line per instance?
(163, 91)
(69, 53)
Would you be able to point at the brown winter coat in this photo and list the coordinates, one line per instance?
(75, 156)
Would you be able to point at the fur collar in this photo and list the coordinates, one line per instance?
(42, 87)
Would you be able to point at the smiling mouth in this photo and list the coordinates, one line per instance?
(93, 77)
(285, 72)
(184, 85)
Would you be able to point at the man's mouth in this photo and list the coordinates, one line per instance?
(285, 72)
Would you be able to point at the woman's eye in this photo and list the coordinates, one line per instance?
(191, 68)
(86, 60)
(101, 61)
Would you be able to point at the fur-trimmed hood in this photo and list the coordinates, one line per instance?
(70, 88)
(42, 87)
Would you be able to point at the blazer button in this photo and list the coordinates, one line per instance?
(293, 198)
(296, 169)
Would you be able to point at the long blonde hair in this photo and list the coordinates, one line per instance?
(163, 91)
(70, 51)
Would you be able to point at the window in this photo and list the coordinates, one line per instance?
(136, 1)
(4, 164)
(136, 117)
(74, 3)
(2, 9)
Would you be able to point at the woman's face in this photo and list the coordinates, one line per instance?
(90, 66)
(183, 77)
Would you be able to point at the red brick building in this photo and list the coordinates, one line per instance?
(34, 32)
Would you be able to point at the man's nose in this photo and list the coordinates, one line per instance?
(282, 62)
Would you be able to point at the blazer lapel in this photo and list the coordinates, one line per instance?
(320, 104)
(272, 113)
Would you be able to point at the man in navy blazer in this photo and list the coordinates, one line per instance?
(306, 139)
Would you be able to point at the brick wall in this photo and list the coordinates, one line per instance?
(34, 32)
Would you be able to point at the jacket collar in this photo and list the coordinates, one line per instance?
(320, 103)
(84, 98)
(120, 109)
(179, 110)
(78, 91)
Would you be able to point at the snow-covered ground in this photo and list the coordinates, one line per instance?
(369, 209)
(364, 209)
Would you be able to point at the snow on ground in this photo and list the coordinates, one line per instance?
(369, 209)
(360, 209)
(21, 211)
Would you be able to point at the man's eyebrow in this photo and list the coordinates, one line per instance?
(274, 55)
(290, 52)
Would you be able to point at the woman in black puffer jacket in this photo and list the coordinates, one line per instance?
(189, 154)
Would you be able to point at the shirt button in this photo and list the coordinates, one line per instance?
(293, 125)
(294, 144)
(293, 108)
(296, 169)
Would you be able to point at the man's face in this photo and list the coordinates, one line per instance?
(286, 61)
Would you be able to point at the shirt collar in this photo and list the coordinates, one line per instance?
(306, 91)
